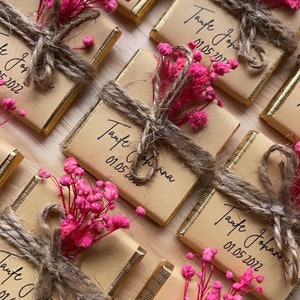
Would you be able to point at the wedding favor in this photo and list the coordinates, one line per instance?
(135, 10)
(282, 112)
(45, 107)
(242, 240)
(10, 158)
(107, 263)
(105, 142)
(216, 32)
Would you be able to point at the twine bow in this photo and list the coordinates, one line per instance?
(277, 209)
(55, 272)
(47, 43)
(155, 123)
(255, 19)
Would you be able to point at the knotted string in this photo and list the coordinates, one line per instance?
(157, 128)
(56, 274)
(47, 44)
(277, 209)
(255, 19)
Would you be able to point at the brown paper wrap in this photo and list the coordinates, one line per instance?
(216, 34)
(166, 282)
(45, 108)
(107, 263)
(112, 140)
(10, 158)
(242, 240)
(135, 10)
(283, 111)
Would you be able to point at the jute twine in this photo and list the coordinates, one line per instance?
(156, 126)
(56, 274)
(256, 20)
(47, 44)
(277, 209)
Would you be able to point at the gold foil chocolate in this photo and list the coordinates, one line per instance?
(45, 108)
(135, 10)
(10, 158)
(216, 35)
(166, 282)
(242, 241)
(283, 111)
(105, 142)
(107, 263)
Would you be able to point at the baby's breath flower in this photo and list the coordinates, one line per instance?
(87, 209)
(198, 87)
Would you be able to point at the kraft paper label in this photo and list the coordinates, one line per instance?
(242, 241)
(283, 111)
(216, 34)
(44, 108)
(107, 263)
(112, 140)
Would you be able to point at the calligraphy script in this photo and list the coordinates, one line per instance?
(13, 277)
(11, 63)
(209, 39)
(233, 223)
(117, 143)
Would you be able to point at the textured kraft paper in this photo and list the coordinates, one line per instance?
(135, 10)
(283, 111)
(166, 282)
(10, 158)
(108, 157)
(45, 108)
(216, 33)
(242, 241)
(107, 262)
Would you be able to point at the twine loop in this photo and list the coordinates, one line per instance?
(275, 208)
(47, 44)
(257, 26)
(55, 273)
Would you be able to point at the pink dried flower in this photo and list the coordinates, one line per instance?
(197, 90)
(87, 208)
(140, 211)
(88, 41)
(293, 4)
(213, 291)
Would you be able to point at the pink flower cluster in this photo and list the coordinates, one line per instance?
(213, 291)
(293, 4)
(70, 9)
(10, 105)
(86, 208)
(198, 91)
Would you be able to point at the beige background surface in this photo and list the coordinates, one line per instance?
(45, 151)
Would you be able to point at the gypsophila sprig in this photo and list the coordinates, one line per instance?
(9, 105)
(198, 92)
(293, 4)
(70, 9)
(88, 209)
(208, 290)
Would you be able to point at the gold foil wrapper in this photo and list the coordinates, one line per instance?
(113, 138)
(242, 241)
(10, 158)
(45, 108)
(216, 34)
(135, 10)
(107, 263)
(283, 111)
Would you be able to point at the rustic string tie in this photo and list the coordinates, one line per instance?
(275, 208)
(56, 274)
(256, 20)
(157, 127)
(47, 44)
